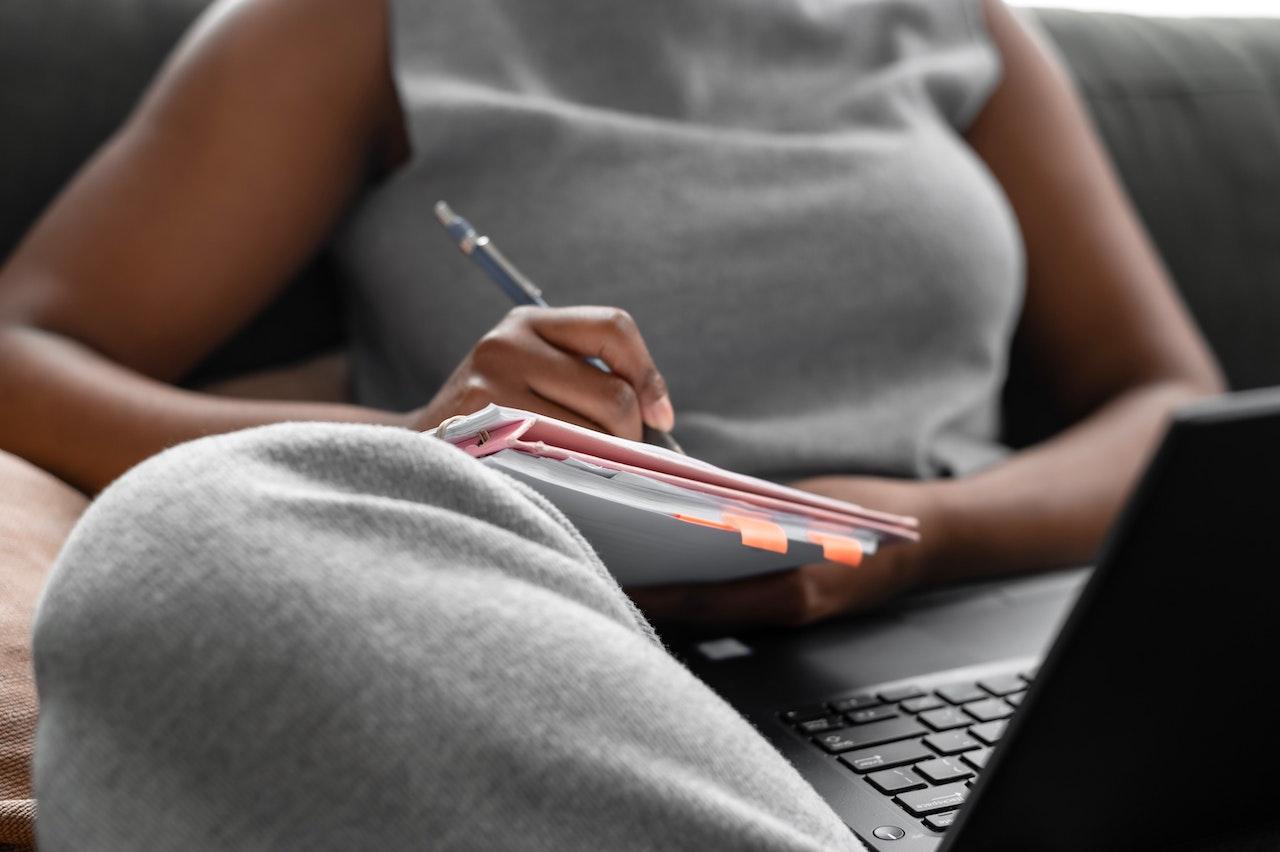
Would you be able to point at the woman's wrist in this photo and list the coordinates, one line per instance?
(936, 503)
(934, 558)
(945, 523)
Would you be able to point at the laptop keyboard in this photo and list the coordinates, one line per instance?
(920, 748)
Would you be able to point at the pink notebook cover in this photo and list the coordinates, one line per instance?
(545, 437)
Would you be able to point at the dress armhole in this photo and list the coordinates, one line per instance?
(975, 22)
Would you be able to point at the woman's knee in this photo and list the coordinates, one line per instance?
(237, 527)
(234, 577)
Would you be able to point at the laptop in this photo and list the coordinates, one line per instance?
(1131, 707)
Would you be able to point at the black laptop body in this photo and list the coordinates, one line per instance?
(1152, 722)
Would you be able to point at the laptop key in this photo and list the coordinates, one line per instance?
(924, 702)
(1015, 699)
(951, 742)
(871, 714)
(959, 693)
(805, 714)
(943, 769)
(890, 781)
(989, 732)
(901, 693)
(818, 726)
(885, 756)
(989, 710)
(853, 702)
(941, 822)
(934, 799)
(977, 759)
(872, 733)
(835, 742)
(944, 718)
(1003, 684)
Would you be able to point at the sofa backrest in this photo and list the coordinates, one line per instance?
(1189, 108)
(1190, 111)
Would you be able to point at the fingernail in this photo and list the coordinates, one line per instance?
(662, 415)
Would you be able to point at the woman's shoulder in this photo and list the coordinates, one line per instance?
(320, 60)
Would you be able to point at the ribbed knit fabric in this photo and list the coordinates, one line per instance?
(353, 637)
(778, 191)
(36, 513)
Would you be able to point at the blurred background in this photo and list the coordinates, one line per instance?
(1178, 8)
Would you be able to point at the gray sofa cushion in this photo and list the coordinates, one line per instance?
(1191, 114)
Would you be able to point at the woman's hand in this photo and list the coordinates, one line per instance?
(535, 359)
(814, 592)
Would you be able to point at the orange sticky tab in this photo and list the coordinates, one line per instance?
(838, 548)
(703, 522)
(756, 532)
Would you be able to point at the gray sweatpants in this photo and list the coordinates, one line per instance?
(323, 637)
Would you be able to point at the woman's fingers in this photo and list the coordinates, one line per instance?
(513, 359)
(784, 598)
(611, 335)
(605, 398)
(771, 599)
(536, 359)
(541, 405)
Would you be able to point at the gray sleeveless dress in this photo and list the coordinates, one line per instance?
(777, 190)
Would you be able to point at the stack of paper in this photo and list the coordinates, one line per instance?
(655, 516)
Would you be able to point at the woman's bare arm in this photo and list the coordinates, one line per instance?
(1101, 319)
(260, 129)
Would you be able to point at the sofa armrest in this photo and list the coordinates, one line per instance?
(36, 513)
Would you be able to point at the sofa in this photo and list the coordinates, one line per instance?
(1190, 110)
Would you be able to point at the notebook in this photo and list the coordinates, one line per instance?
(655, 516)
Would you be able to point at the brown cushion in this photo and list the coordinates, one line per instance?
(36, 513)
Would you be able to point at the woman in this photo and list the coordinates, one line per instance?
(820, 219)
(273, 118)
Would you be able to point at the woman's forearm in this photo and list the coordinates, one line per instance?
(1048, 506)
(87, 419)
(1051, 505)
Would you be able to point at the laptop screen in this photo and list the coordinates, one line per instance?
(1151, 724)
